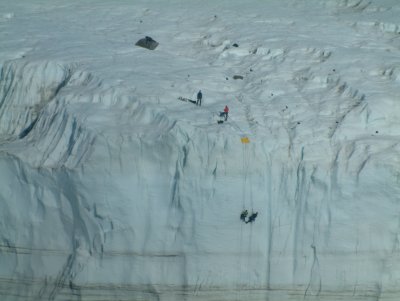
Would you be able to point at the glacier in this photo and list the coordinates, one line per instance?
(113, 189)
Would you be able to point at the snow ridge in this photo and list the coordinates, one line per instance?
(27, 87)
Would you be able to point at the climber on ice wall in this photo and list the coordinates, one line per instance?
(243, 215)
(252, 218)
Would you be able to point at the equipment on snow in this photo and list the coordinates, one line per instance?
(221, 114)
(186, 99)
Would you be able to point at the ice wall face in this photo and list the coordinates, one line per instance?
(154, 214)
(112, 189)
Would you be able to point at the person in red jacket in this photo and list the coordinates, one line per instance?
(226, 111)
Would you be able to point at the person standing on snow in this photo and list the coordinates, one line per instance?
(199, 97)
(226, 111)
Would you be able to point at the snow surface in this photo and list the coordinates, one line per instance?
(113, 189)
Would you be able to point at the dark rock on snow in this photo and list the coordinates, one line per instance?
(147, 43)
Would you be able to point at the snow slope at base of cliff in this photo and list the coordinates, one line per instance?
(111, 188)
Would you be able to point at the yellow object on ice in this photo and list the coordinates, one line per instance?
(245, 140)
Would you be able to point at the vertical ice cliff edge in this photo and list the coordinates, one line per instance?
(104, 197)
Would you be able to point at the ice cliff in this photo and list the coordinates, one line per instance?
(112, 189)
